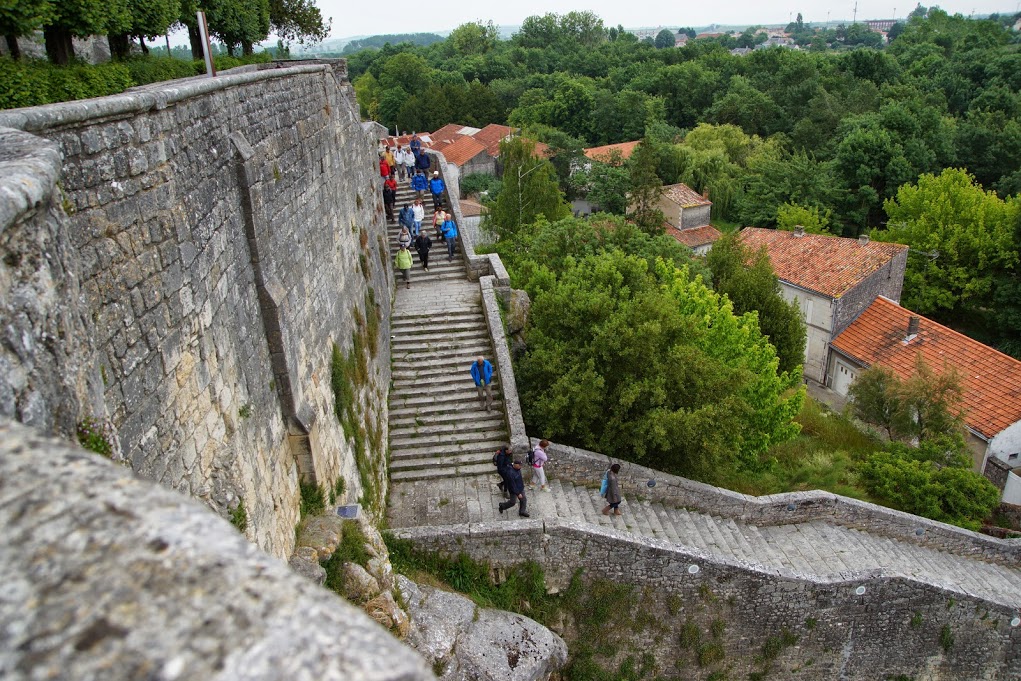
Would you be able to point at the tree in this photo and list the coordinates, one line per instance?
(646, 188)
(664, 39)
(792, 215)
(970, 234)
(751, 284)
(650, 365)
(298, 20)
(688, 31)
(22, 17)
(606, 185)
(80, 18)
(529, 189)
(473, 38)
(148, 18)
(927, 406)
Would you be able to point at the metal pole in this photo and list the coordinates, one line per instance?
(207, 50)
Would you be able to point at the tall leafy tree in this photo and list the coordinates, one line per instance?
(530, 189)
(81, 18)
(963, 239)
(751, 284)
(664, 39)
(22, 17)
(298, 20)
(147, 19)
(645, 188)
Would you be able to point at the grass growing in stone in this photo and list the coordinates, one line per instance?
(350, 550)
(96, 435)
(313, 500)
(603, 614)
(239, 517)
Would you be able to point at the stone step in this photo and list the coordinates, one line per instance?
(479, 448)
(457, 364)
(432, 324)
(441, 472)
(453, 459)
(443, 420)
(452, 338)
(442, 373)
(459, 437)
(453, 386)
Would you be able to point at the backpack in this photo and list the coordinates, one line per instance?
(531, 457)
(606, 483)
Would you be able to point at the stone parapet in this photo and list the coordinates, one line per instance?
(586, 468)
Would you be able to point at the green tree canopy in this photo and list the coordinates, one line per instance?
(752, 286)
(651, 366)
(664, 39)
(529, 189)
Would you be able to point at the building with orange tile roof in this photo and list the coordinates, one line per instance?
(888, 335)
(833, 279)
(699, 239)
(605, 153)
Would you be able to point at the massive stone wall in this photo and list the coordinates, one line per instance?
(224, 233)
(706, 618)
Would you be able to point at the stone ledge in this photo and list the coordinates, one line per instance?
(505, 368)
(106, 575)
(155, 96)
(29, 169)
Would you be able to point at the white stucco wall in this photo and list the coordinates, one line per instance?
(1007, 445)
(817, 311)
(1012, 491)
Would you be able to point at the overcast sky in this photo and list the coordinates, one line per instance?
(355, 18)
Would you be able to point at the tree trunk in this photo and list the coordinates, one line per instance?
(141, 43)
(120, 45)
(246, 49)
(12, 46)
(59, 47)
(195, 38)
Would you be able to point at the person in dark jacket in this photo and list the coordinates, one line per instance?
(389, 199)
(516, 486)
(612, 491)
(436, 187)
(422, 244)
(503, 460)
(422, 161)
(406, 218)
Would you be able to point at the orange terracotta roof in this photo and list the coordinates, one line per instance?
(441, 145)
(992, 380)
(604, 153)
(542, 149)
(684, 196)
(830, 265)
(491, 136)
(462, 150)
(450, 131)
(693, 237)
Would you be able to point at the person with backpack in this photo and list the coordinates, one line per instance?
(503, 459)
(449, 231)
(516, 486)
(537, 458)
(389, 198)
(611, 490)
(403, 263)
(406, 218)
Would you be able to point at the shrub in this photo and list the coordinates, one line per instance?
(35, 82)
(96, 435)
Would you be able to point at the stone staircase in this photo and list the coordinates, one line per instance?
(817, 549)
(438, 429)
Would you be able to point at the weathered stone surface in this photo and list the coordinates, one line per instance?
(382, 571)
(384, 610)
(305, 561)
(517, 316)
(322, 534)
(478, 644)
(359, 586)
(109, 577)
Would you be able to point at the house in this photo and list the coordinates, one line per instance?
(605, 153)
(833, 279)
(683, 207)
(698, 239)
(891, 336)
(471, 150)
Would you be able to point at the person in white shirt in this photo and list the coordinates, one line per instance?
(418, 215)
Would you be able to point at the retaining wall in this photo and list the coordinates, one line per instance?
(892, 627)
(194, 249)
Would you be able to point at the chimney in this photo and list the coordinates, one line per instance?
(913, 326)
(863, 239)
(799, 230)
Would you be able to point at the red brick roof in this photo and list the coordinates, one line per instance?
(693, 237)
(830, 265)
(684, 196)
(605, 152)
(492, 135)
(462, 150)
(450, 131)
(992, 380)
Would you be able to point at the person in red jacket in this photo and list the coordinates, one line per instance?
(384, 168)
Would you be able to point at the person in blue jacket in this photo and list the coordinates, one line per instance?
(449, 232)
(482, 373)
(419, 184)
(436, 186)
